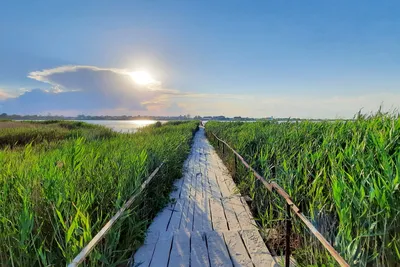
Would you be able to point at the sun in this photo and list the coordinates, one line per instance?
(142, 78)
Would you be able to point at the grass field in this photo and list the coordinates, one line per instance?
(343, 175)
(61, 181)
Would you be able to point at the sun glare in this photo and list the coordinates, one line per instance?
(142, 77)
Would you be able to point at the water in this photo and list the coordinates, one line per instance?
(124, 126)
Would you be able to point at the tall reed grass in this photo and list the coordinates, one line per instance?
(57, 194)
(344, 175)
(16, 133)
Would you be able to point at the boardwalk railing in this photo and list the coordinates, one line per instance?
(100, 235)
(272, 186)
(90, 246)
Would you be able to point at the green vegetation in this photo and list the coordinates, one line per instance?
(14, 133)
(344, 176)
(58, 190)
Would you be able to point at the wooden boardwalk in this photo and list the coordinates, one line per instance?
(209, 224)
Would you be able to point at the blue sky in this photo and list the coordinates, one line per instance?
(252, 58)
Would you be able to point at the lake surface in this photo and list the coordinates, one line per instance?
(124, 126)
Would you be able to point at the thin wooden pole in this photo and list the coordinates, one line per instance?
(288, 233)
(89, 247)
(100, 235)
(234, 155)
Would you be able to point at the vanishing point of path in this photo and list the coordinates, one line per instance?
(209, 224)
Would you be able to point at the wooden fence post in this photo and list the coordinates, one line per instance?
(288, 234)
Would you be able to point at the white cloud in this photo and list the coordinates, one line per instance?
(4, 94)
(95, 90)
(85, 88)
(48, 75)
(44, 75)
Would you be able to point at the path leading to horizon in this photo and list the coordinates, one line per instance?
(209, 224)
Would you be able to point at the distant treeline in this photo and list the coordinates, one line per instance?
(5, 116)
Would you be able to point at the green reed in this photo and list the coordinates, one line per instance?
(344, 175)
(55, 195)
(14, 133)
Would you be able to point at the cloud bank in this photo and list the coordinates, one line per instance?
(72, 90)
(84, 89)
(4, 95)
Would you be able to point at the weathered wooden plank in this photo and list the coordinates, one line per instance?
(231, 185)
(233, 223)
(206, 152)
(144, 254)
(217, 250)
(226, 182)
(160, 223)
(256, 247)
(199, 171)
(204, 180)
(214, 187)
(246, 207)
(222, 166)
(185, 216)
(190, 215)
(205, 183)
(180, 252)
(207, 222)
(213, 162)
(237, 250)
(176, 217)
(222, 185)
(162, 250)
(178, 188)
(185, 193)
(216, 159)
(202, 161)
(205, 200)
(219, 222)
(193, 187)
(209, 172)
(242, 215)
(198, 251)
(200, 213)
(199, 184)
